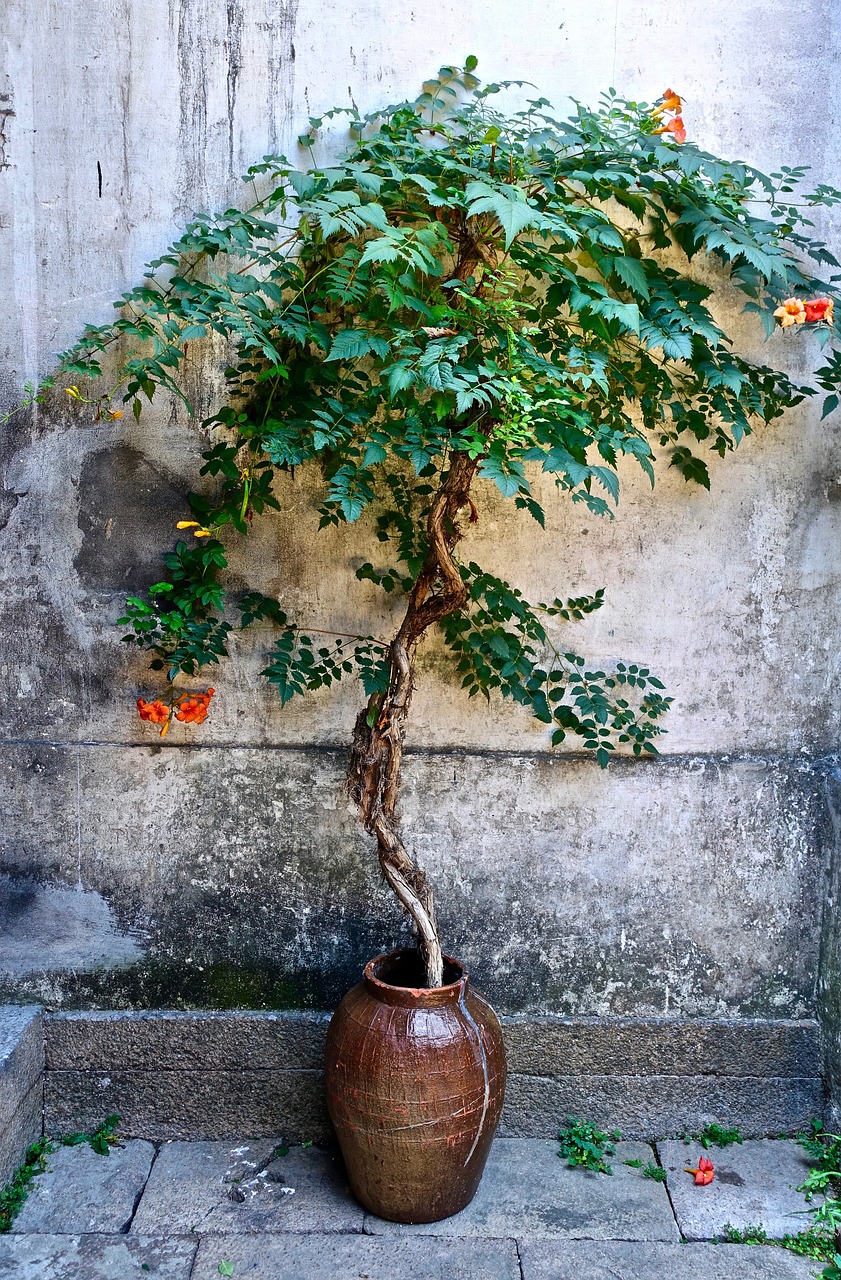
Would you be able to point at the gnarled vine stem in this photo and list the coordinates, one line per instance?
(374, 774)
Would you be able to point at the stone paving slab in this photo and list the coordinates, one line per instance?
(350, 1257)
(81, 1191)
(528, 1190)
(755, 1185)
(94, 1257)
(618, 1260)
(236, 1189)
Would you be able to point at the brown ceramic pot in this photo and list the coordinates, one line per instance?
(415, 1082)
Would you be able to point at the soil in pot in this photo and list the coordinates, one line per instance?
(415, 1083)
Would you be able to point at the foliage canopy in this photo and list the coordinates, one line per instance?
(514, 287)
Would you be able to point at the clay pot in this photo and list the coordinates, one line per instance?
(415, 1083)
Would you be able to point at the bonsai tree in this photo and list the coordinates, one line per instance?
(464, 299)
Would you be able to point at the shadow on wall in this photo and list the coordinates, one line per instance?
(44, 927)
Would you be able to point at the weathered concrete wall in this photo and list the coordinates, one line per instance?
(230, 871)
(680, 887)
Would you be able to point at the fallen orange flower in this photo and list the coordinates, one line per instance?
(792, 311)
(705, 1172)
(819, 309)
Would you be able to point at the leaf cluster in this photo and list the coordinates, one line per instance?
(825, 1178)
(583, 1144)
(716, 1135)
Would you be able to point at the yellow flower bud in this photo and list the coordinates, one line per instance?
(188, 524)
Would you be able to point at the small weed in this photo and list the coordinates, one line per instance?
(825, 1150)
(714, 1135)
(15, 1192)
(13, 1195)
(833, 1271)
(654, 1172)
(825, 1178)
(226, 1268)
(747, 1235)
(583, 1144)
(101, 1139)
(634, 1164)
(810, 1244)
(282, 1150)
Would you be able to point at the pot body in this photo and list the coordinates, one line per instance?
(415, 1083)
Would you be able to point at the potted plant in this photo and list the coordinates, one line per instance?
(465, 299)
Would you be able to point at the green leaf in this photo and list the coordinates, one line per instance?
(510, 207)
(830, 404)
(352, 344)
(632, 273)
(374, 453)
(693, 468)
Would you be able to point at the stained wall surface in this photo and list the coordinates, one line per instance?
(225, 866)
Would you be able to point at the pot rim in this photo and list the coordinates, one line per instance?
(414, 997)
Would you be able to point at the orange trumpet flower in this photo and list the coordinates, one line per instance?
(819, 309)
(792, 311)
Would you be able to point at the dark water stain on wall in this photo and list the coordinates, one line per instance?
(283, 17)
(233, 44)
(55, 927)
(194, 27)
(127, 506)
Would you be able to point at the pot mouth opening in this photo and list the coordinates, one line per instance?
(405, 969)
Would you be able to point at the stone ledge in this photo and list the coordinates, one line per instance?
(183, 1041)
(21, 1056)
(668, 1046)
(216, 1075)
(657, 1106)
(21, 1130)
(21, 1083)
(221, 1104)
(190, 1105)
(546, 1046)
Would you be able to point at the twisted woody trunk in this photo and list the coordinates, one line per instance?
(374, 774)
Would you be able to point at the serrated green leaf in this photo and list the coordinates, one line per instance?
(632, 273)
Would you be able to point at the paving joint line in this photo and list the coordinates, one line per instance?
(519, 1257)
(669, 1194)
(195, 1258)
(127, 1228)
